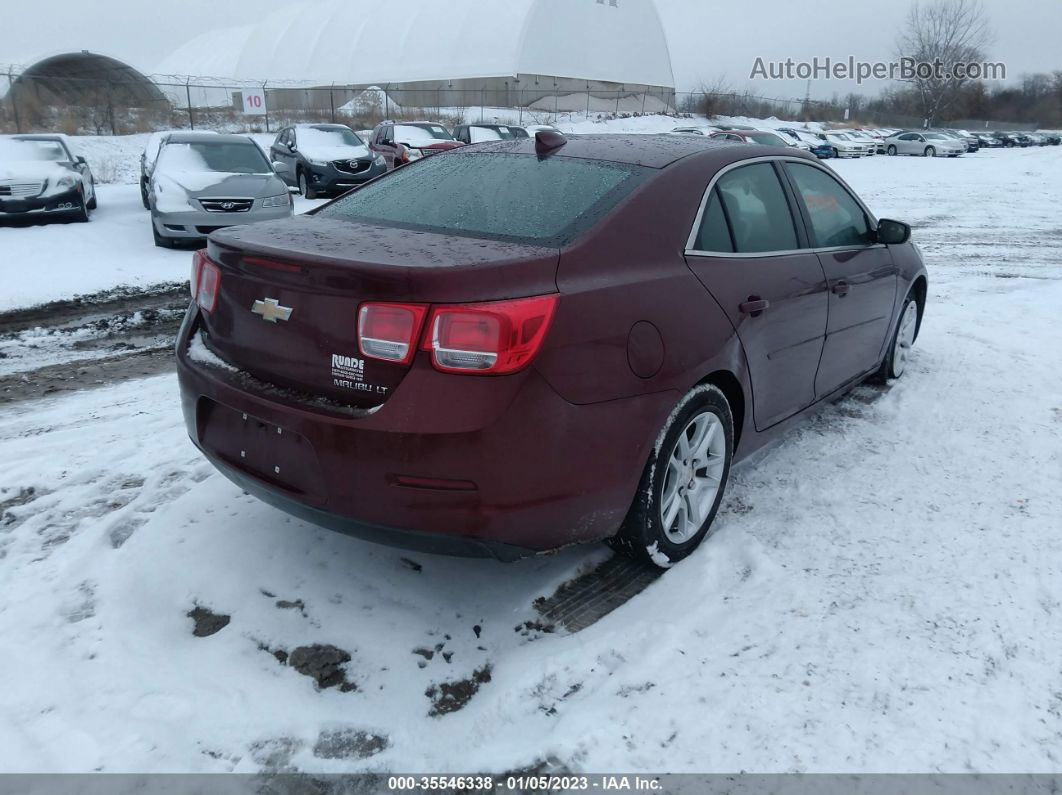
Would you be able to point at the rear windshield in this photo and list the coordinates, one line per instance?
(494, 195)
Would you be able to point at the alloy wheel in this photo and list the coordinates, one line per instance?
(905, 337)
(693, 478)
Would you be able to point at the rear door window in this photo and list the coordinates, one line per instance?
(755, 203)
(714, 234)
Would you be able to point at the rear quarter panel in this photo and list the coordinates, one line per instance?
(630, 269)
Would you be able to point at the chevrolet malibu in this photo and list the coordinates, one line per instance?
(524, 344)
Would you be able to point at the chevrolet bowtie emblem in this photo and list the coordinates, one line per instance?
(271, 310)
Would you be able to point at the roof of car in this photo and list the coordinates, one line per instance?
(194, 137)
(654, 151)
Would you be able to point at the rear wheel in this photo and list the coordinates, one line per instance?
(835, 152)
(683, 482)
(304, 187)
(891, 151)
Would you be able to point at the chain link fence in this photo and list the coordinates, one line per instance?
(95, 106)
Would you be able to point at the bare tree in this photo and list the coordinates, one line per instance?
(943, 33)
(715, 97)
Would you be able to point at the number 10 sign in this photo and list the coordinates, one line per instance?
(254, 101)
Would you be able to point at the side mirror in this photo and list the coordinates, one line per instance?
(290, 146)
(281, 168)
(893, 233)
(81, 161)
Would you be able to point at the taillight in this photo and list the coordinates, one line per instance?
(390, 331)
(206, 279)
(495, 338)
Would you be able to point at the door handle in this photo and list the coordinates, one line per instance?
(840, 288)
(754, 306)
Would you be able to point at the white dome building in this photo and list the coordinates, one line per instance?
(431, 53)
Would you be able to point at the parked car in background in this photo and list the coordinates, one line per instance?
(969, 142)
(41, 176)
(815, 143)
(703, 129)
(843, 145)
(877, 143)
(478, 133)
(988, 141)
(1035, 139)
(530, 369)
(202, 183)
(750, 136)
(926, 144)
(406, 141)
(1053, 138)
(324, 159)
(151, 153)
(531, 129)
(1011, 139)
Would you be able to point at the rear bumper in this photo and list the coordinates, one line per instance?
(468, 465)
(64, 202)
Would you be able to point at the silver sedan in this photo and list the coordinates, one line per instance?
(927, 144)
(201, 183)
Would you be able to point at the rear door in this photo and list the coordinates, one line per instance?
(750, 252)
(860, 273)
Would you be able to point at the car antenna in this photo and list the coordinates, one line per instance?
(548, 140)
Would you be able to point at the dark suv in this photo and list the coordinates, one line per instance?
(324, 159)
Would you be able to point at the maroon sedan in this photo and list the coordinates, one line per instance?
(530, 343)
(403, 142)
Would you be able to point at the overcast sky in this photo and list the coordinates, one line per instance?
(709, 38)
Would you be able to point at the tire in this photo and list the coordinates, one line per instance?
(160, 241)
(304, 187)
(144, 195)
(81, 214)
(92, 203)
(891, 151)
(643, 535)
(903, 338)
(835, 153)
(930, 152)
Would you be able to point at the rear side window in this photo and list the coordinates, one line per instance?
(502, 196)
(836, 218)
(714, 234)
(758, 210)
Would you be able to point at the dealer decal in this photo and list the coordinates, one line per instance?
(348, 372)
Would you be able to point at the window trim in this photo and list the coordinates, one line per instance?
(691, 239)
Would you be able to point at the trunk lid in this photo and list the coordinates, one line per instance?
(322, 269)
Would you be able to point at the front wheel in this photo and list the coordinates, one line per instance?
(683, 482)
(304, 187)
(930, 152)
(902, 340)
(891, 151)
(81, 213)
(835, 152)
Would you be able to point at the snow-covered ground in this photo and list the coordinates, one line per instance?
(48, 262)
(883, 592)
